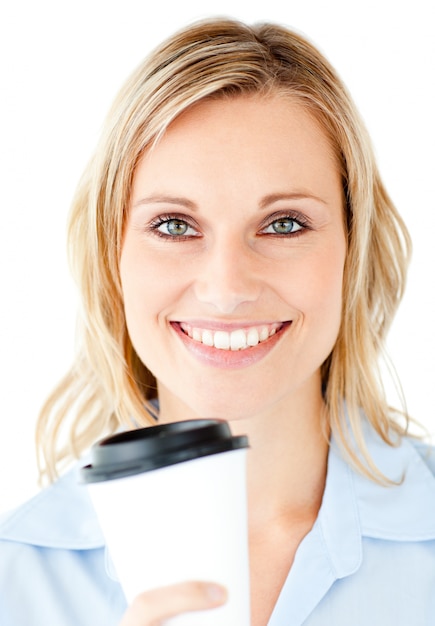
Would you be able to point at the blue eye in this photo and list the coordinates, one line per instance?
(172, 227)
(283, 226)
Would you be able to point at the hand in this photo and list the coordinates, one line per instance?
(151, 608)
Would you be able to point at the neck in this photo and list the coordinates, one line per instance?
(286, 462)
(286, 468)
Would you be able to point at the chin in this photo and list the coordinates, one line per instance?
(239, 408)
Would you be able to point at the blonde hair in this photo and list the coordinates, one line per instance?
(108, 385)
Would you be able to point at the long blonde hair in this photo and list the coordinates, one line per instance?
(108, 386)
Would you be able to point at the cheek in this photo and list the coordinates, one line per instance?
(136, 283)
(316, 283)
(150, 284)
(329, 291)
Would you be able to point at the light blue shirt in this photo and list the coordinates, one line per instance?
(369, 560)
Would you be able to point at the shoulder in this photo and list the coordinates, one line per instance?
(378, 539)
(51, 540)
(404, 509)
(426, 451)
(60, 516)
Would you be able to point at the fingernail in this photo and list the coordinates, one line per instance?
(216, 593)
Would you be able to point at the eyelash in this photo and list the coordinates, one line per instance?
(292, 216)
(295, 217)
(158, 221)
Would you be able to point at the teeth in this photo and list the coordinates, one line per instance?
(239, 339)
(264, 333)
(207, 337)
(222, 340)
(196, 334)
(253, 338)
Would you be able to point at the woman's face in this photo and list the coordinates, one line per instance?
(232, 259)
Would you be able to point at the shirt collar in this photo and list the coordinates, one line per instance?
(404, 511)
(354, 506)
(62, 516)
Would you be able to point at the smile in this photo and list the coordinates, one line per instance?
(237, 339)
(229, 346)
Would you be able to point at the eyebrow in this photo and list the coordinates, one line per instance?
(264, 203)
(275, 197)
(161, 199)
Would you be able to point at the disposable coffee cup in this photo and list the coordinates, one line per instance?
(171, 502)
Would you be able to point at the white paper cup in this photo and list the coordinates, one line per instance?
(171, 502)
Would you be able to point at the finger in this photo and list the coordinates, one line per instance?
(152, 607)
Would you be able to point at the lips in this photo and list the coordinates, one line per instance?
(236, 339)
(230, 347)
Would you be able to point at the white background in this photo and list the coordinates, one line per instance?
(61, 65)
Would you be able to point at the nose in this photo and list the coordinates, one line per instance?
(228, 276)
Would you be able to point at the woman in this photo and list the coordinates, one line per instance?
(238, 257)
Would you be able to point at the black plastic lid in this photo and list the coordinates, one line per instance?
(146, 449)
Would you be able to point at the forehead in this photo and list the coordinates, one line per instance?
(242, 143)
